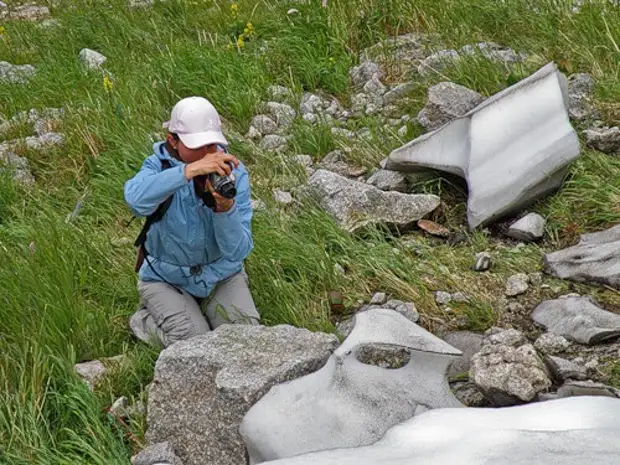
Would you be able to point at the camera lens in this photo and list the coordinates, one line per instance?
(227, 190)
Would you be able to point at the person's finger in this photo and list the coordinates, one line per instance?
(225, 166)
(209, 186)
(230, 157)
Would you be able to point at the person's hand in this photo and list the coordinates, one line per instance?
(211, 163)
(222, 204)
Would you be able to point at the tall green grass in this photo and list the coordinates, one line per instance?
(68, 288)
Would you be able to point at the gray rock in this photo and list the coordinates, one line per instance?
(157, 454)
(281, 113)
(506, 337)
(140, 3)
(311, 103)
(387, 180)
(580, 89)
(374, 87)
(517, 285)
(43, 141)
(402, 132)
(91, 58)
(29, 12)
(443, 298)
(551, 344)
(581, 84)
(120, 407)
(92, 372)
(469, 394)
(378, 298)
(204, 386)
(467, 342)
(459, 297)
(345, 133)
(365, 133)
(253, 134)
(604, 140)
(279, 94)
(363, 73)
(445, 102)
(359, 102)
(399, 92)
(15, 74)
(437, 62)
(578, 319)
(563, 369)
(408, 310)
(595, 260)
(572, 431)
(483, 262)
(507, 375)
(264, 124)
(282, 197)
(355, 204)
(493, 51)
(273, 143)
(258, 205)
(529, 228)
(334, 156)
(304, 160)
(512, 150)
(308, 414)
(310, 118)
(586, 388)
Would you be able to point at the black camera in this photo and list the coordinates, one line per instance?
(225, 185)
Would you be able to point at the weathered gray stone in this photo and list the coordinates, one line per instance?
(578, 319)
(304, 160)
(551, 344)
(572, 431)
(311, 103)
(258, 205)
(29, 12)
(355, 204)
(483, 262)
(204, 386)
(308, 414)
(120, 407)
(282, 197)
(374, 87)
(580, 89)
(92, 372)
(506, 337)
(507, 375)
(399, 92)
(499, 149)
(517, 285)
(402, 131)
(493, 51)
(363, 73)
(447, 101)
(92, 59)
(344, 133)
(606, 140)
(15, 74)
(595, 260)
(467, 342)
(253, 134)
(438, 61)
(387, 180)
(468, 394)
(279, 94)
(378, 298)
(586, 388)
(563, 369)
(529, 228)
(264, 124)
(581, 84)
(157, 454)
(443, 298)
(273, 143)
(282, 113)
(359, 103)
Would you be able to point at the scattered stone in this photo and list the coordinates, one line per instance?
(120, 407)
(406, 309)
(157, 454)
(292, 12)
(529, 228)
(581, 84)
(204, 386)
(355, 204)
(374, 87)
(536, 279)
(344, 133)
(506, 337)
(264, 124)
(338, 269)
(563, 369)
(494, 52)
(95, 371)
(606, 140)
(438, 61)
(517, 285)
(483, 262)
(359, 103)
(30, 12)
(282, 113)
(467, 342)
(273, 143)
(378, 298)
(539, 160)
(468, 394)
(15, 74)
(387, 180)
(507, 375)
(443, 298)
(586, 388)
(279, 94)
(363, 73)
(551, 344)
(311, 103)
(447, 101)
(92, 59)
(402, 132)
(580, 89)
(434, 229)
(304, 160)
(579, 319)
(253, 134)
(282, 197)
(398, 93)
(258, 205)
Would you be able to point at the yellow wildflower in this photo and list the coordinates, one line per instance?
(240, 42)
(234, 10)
(230, 46)
(107, 83)
(249, 30)
(2, 30)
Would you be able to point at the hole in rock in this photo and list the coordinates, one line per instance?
(383, 355)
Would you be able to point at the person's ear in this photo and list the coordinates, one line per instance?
(172, 141)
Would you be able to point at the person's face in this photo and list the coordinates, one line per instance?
(190, 155)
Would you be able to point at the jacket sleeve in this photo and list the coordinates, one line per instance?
(233, 231)
(152, 185)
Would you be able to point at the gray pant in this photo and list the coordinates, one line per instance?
(170, 314)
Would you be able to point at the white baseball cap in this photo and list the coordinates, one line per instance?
(197, 123)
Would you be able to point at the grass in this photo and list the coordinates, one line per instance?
(68, 288)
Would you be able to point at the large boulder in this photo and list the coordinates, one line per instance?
(205, 385)
(445, 102)
(387, 370)
(157, 454)
(571, 431)
(595, 260)
(512, 149)
(356, 204)
(579, 319)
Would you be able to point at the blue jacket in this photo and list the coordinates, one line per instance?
(190, 235)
